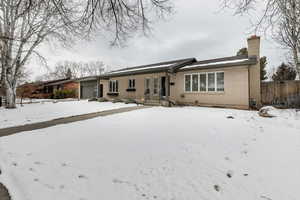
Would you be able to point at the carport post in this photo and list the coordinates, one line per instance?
(79, 90)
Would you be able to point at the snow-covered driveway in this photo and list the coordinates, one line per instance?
(44, 111)
(158, 153)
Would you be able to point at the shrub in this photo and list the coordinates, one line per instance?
(62, 94)
(117, 101)
(102, 100)
(127, 101)
(93, 99)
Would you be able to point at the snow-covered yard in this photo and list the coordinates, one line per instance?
(158, 153)
(38, 112)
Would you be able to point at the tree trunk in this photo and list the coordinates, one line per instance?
(10, 96)
(297, 63)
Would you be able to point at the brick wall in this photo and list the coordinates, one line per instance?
(72, 86)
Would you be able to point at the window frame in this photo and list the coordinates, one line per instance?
(185, 75)
(219, 72)
(131, 83)
(199, 82)
(113, 86)
(192, 80)
(208, 82)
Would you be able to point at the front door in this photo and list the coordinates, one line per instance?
(101, 91)
(163, 86)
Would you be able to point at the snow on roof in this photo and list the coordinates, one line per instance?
(140, 68)
(216, 63)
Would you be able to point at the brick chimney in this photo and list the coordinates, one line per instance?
(254, 71)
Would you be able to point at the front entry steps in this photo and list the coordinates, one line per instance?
(165, 103)
(152, 103)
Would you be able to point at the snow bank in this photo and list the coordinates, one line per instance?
(269, 111)
(44, 111)
(158, 153)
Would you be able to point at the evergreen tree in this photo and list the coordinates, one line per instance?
(284, 73)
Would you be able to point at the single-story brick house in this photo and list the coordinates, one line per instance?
(47, 89)
(225, 82)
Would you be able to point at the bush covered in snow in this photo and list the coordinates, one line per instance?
(268, 111)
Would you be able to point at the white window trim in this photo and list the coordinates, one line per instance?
(216, 80)
(184, 83)
(206, 73)
(206, 84)
(131, 80)
(114, 82)
(192, 83)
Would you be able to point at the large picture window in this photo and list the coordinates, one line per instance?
(211, 82)
(220, 81)
(204, 82)
(195, 82)
(113, 86)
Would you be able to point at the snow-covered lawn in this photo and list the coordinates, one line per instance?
(38, 112)
(158, 153)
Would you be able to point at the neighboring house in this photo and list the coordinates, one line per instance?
(47, 89)
(225, 82)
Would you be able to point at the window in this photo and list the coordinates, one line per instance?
(113, 86)
(211, 82)
(155, 88)
(195, 82)
(203, 82)
(148, 83)
(220, 81)
(131, 83)
(187, 81)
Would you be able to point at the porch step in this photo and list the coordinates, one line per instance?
(152, 103)
(156, 103)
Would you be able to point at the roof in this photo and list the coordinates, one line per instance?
(152, 68)
(178, 65)
(58, 82)
(54, 81)
(233, 61)
(88, 78)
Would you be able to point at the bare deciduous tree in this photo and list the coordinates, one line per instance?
(25, 24)
(76, 69)
(280, 17)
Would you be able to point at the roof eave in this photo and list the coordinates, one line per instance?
(175, 68)
(227, 65)
(145, 71)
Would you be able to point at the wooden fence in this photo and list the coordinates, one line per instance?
(281, 93)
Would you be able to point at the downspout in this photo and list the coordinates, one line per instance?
(249, 86)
